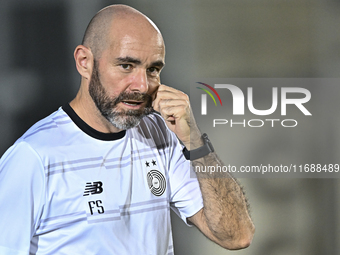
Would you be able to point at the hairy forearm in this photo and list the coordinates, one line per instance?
(226, 210)
(225, 217)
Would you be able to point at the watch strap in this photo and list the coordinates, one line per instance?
(201, 151)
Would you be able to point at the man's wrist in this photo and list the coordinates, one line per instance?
(200, 152)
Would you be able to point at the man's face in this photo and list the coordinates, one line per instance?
(125, 78)
(124, 118)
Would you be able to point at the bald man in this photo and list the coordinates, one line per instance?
(99, 175)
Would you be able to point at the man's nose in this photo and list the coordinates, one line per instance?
(140, 81)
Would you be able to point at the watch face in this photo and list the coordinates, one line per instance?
(207, 142)
(211, 148)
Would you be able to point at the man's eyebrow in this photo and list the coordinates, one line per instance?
(159, 64)
(129, 60)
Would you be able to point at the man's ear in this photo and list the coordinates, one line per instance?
(84, 61)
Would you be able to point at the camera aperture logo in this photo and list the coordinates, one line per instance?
(239, 99)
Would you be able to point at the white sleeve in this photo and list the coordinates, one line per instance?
(21, 198)
(186, 197)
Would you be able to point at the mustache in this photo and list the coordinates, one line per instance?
(136, 96)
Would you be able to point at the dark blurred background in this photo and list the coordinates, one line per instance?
(216, 38)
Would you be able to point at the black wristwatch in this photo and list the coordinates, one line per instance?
(201, 151)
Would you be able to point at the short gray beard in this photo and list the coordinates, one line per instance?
(125, 120)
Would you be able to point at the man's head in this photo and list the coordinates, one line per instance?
(120, 63)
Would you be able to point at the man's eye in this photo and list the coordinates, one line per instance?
(153, 70)
(126, 66)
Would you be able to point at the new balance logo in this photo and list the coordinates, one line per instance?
(93, 188)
